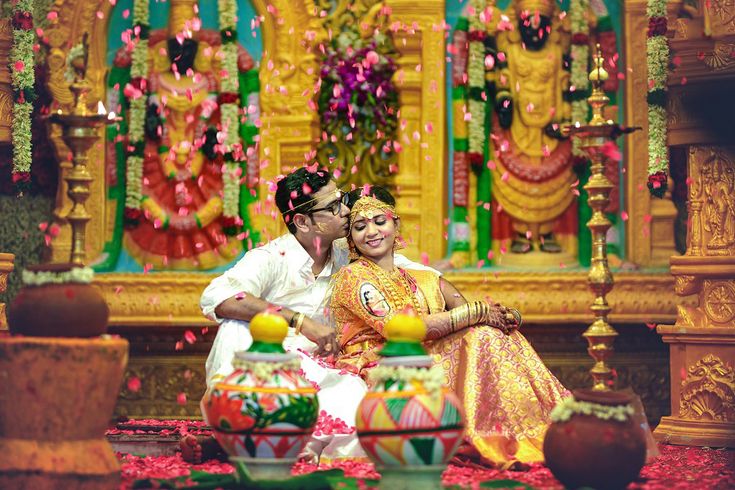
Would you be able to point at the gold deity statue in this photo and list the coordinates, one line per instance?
(533, 176)
(182, 226)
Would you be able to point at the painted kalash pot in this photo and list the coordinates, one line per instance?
(409, 419)
(265, 409)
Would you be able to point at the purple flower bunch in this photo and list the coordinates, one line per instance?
(357, 90)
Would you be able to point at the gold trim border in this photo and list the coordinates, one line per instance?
(172, 299)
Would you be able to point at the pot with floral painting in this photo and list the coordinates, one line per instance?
(594, 441)
(264, 412)
(409, 424)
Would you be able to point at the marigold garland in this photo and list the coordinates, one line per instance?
(23, 79)
(657, 53)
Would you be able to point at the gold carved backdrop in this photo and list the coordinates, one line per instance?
(289, 126)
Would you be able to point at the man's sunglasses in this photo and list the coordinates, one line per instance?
(335, 206)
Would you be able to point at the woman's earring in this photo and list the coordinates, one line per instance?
(399, 243)
(353, 255)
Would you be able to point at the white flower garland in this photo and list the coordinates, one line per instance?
(21, 54)
(79, 275)
(564, 410)
(230, 112)
(264, 371)
(476, 79)
(432, 379)
(657, 53)
(579, 69)
(136, 112)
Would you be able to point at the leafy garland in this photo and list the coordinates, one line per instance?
(580, 53)
(657, 53)
(23, 78)
(564, 410)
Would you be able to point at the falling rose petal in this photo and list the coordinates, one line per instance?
(429, 127)
(53, 15)
(490, 255)
(505, 176)
(624, 215)
(181, 398)
(147, 268)
(683, 374)
(652, 326)
(647, 218)
(179, 345)
(480, 263)
(562, 265)
(424, 258)
(118, 289)
(190, 337)
(205, 330)
(134, 384)
(42, 226)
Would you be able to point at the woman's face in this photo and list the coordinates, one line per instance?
(374, 237)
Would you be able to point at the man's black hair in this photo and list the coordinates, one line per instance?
(379, 193)
(295, 193)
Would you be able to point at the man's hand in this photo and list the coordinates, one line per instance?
(323, 336)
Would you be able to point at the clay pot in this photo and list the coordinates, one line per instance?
(402, 424)
(258, 417)
(58, 310)
(587, 451)
(56, 400)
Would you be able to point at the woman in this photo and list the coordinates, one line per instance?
(506, 390)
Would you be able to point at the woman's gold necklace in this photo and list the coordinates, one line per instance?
(389, 283)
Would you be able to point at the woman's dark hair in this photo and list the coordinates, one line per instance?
(294, 193)
(379, 193)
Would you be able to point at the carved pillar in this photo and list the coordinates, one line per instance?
(6, 90)
(420, 81)
(702, 341)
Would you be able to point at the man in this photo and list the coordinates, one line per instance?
(290, 276)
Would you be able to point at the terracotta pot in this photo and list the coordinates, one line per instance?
(587, 451)
(55, 403)
(58, 310)
(262, 418)
(401, 423)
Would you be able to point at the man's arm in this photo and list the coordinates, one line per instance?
(244, 306)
